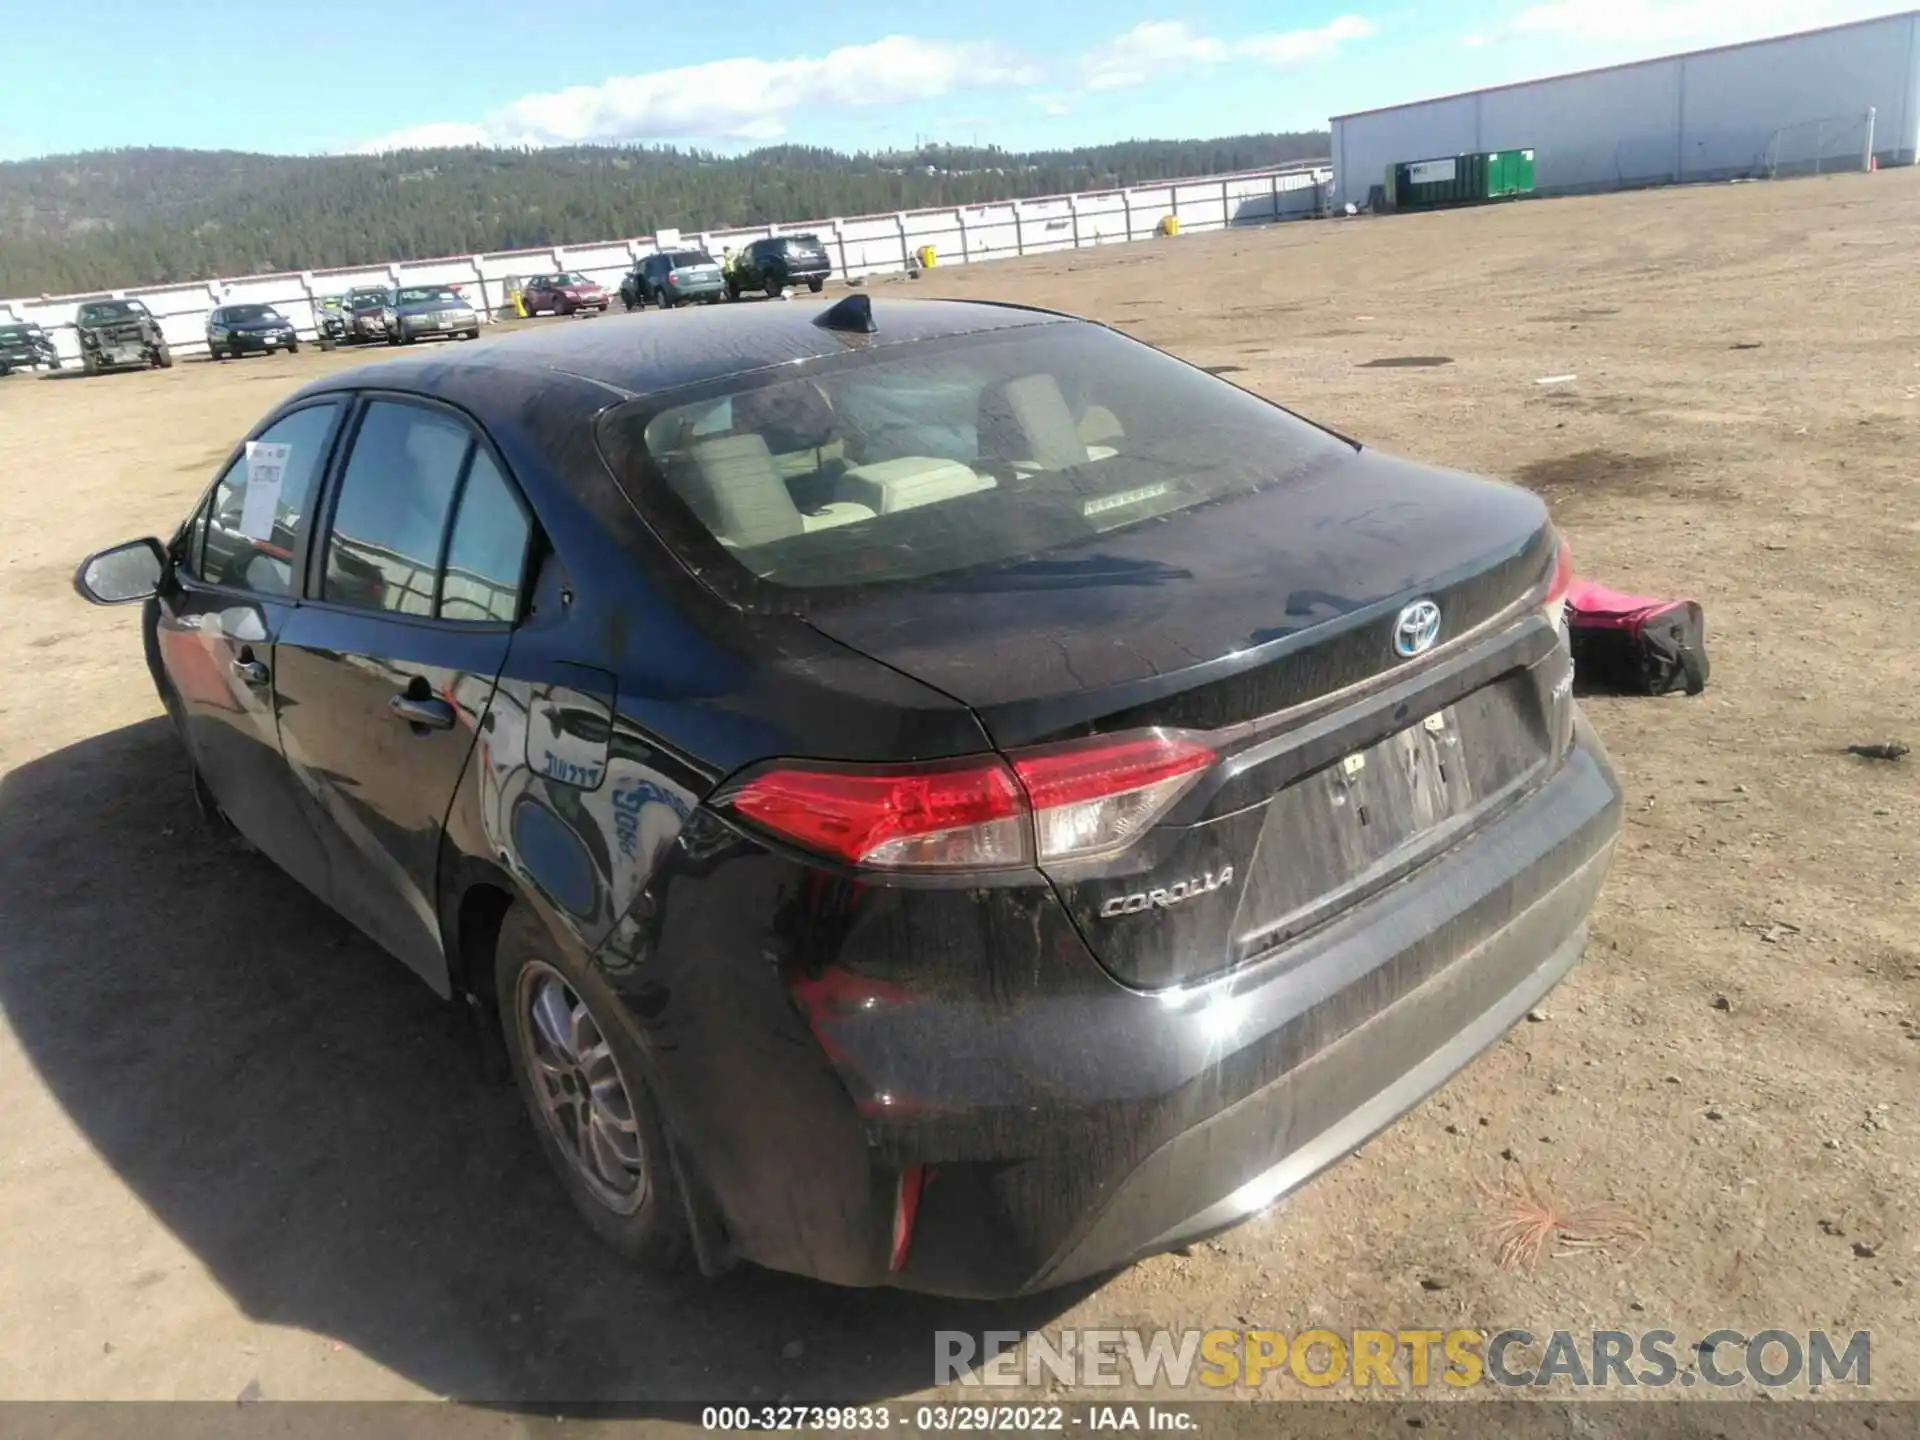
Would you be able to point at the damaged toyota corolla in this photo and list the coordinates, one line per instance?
(925, 793)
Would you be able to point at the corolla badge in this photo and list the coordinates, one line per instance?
(1165, 899)
(1415, 629)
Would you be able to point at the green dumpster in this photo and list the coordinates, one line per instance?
(1459, 179)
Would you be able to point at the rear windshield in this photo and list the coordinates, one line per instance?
(237, 313)
(428, 295)
(680, 259)
(899, 465)
(16, 332)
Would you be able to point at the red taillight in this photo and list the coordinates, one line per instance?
(1061, 802)
(964, 816)
(906, 1209)
(1094, 797)
(1555, 605)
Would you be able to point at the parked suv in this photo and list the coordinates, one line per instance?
(236, 330)
(563, 294)
(119, 332)
(672, 277)
(26, 347)
(779, 261)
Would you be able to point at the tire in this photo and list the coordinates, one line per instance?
(235, 351)
(213, 354)
(647, 1224)
(816, 285)
(774, 288)
(473, 334)
(293, 347)
(394, 337)
(664, 300)
(162, 357)
(90, 363)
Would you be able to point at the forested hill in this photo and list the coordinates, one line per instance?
(131, 217)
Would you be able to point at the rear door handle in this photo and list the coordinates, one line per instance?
(434, 714)
(251, 671)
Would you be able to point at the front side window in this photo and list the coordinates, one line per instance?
(901, 464)
(263, 504)
(383, 552)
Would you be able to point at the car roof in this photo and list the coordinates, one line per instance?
(647, 354)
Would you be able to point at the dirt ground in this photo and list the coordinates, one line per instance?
(244, 1154)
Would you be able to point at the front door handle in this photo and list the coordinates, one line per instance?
(433, 714)
(251, 671)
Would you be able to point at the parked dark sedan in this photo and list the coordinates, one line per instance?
(367, 312)
(26, 347)
(931, 794)
(237, 330)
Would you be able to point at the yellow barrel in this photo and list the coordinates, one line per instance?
(1169, 224)
(929, 257)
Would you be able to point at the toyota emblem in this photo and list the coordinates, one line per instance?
(1416, 628)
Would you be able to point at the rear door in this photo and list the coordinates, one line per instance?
(217, 631)
(385, 674)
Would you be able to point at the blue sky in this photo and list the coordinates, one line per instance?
(354, 74)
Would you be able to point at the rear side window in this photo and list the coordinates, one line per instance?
(251, 545)
(901, 464)
(487, 552)
(396, 493)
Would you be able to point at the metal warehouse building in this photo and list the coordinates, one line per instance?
(1787, 105)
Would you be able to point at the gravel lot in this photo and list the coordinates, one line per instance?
(243, 1153)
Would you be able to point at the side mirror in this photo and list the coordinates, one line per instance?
(122, 574)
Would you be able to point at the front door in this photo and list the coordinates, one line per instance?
(384, 676)
(218, 626)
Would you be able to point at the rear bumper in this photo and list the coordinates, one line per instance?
(1069, 1124)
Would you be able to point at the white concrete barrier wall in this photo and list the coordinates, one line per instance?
(858, 245)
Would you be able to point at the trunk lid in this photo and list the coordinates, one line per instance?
(1267, 623)
(1217, 615)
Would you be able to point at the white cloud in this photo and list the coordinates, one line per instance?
(1696, 21)
(1151, 46)
(741, 99)
(1157, 46)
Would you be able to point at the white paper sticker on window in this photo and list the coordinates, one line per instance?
(266, 464)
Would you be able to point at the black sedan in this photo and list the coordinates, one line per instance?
(26, 347)
(237, 330)
(933, 794)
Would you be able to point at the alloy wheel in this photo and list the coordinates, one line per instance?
(581, 1093)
